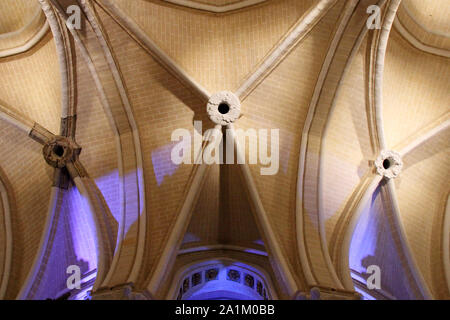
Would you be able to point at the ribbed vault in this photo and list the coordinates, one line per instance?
(86, 118)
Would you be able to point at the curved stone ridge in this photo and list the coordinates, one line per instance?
(232, 108)
(216, 6)
(389, 164)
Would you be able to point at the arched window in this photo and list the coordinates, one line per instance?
(222, 279)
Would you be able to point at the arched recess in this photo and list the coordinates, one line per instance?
(424, 25)
(221, 279)
(6, 208)
(21, 37)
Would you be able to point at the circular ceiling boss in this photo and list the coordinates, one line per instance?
(60, 150)
(389, 164)
(223, 108)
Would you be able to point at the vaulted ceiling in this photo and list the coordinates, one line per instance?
(339, 93)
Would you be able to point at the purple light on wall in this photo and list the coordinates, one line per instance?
(364, 240)
(190, 237)
(109, 187)
(82, 229)
(162, 163)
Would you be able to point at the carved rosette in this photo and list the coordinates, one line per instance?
(389, 164)
(60, 150)
(223, 108)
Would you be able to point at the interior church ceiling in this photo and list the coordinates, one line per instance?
(361, 118)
